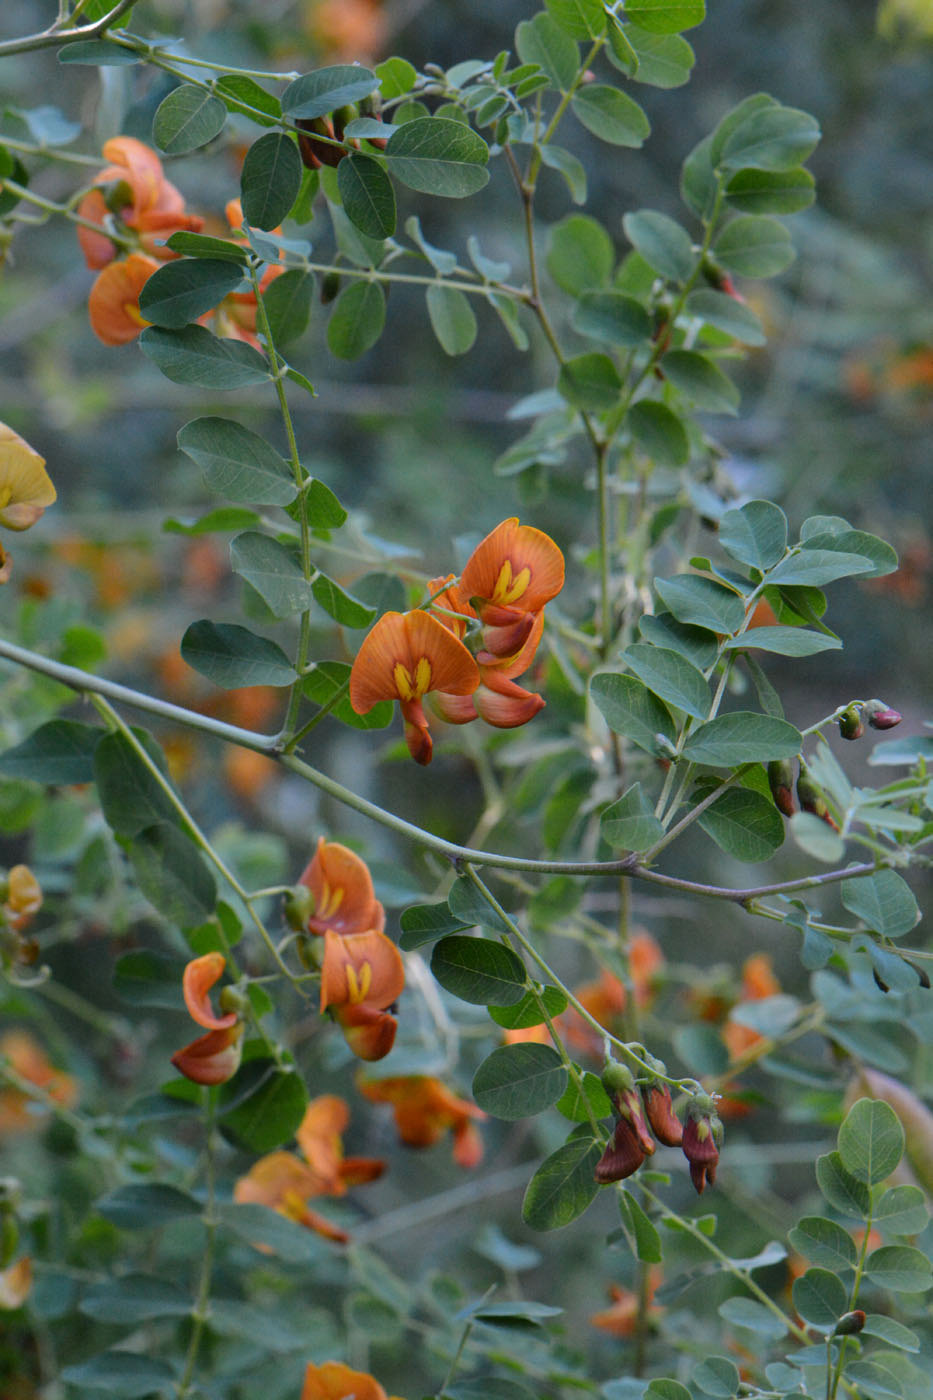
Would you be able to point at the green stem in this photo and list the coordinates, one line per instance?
(534, 164)
(201, 1311)
(54, 35)
(452, 1369)
(853, 1301)
(51, 207)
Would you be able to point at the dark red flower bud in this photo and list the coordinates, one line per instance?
(850, 1323)
(316, 153)
(850, 722)
(702, 1135)
(623, 1155)
(811, 799)
(881, 716)
(659, 1110)
(781, 782)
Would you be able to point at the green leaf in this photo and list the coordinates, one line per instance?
(134, 1298)
(267, 1231)
(340, 605)
(589, 382)
(100, 53)
(734, 119)
(468, 903)
(182, 291)
(900, 1268)
(728, 315)
(662, 243)
(665, 16)
(396, 77)
(664, 60)
(745, 1312)
(825, 1242)
(754, 247)
(592, 1103)
(330, 678)
(646, 1238)
(858, 542)
(357, 321)
(194, 356)
(479, 970)
(699, 184)
(518, 1081)
(188, 118)
(816, 838)
(527, 1012)
(770, 191)
(563, 1186)
(423, 923)
(630, 824)
(902, 1210)
(820, 1298)
(367, 194)
(440, 157)
(871, 1141)
(742, 737)
(884, 901)
(273, 570)
(581, 19)
(580, 255)
(124, 1373)
(541, 40)
(890, 1331)
(452, 318)
(659, 432)
(230, 655)
(611, 115)
(630, 709)
(670, 676)
(60, 752)
(510, 1311)
(744, 824)
(227, 518)
(270, 1114)
(701, 379)
(612, 317)
(270, 180)
(237, 462)
(702, 602)
(783, 641)
(287, 300)
(316, 94)
(147, 1205)
(756, 534)
(130, 796)
(772, 138)
(815, 567)
(716, 1376)
(695, 643)
(842, 1190)
(323, 510)
(173, 875)
(244, 95)
(663, 1388)
(573, 170)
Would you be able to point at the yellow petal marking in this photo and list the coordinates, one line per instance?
(412, 688)
(331, 901)
(358, 987)
(509, 588)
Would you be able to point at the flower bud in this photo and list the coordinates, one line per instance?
(811, 799)
(850, 1323)
(315, 153)
(781, 782)
(701, 1140)
(623, 1155)
(616, 1078)
(881, 716)
(850, 722)
(232, 999)
(659, 1110)
(298, 907)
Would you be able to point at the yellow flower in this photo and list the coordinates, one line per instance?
(25, 488)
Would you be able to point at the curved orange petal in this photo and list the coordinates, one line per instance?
(454, 709)
(512, 664)
(356, 1171)
(319, 1138)
(452, 600)
(274, 1179)
(199, 976)
(468, 1144)
(361, 969)
(506, 705)
(213, 1058)
(452, 666)
(406, 655)
(343, 892)
(514, 566)
(142, 167)
(335, 1381)
(158, 225)
(370, 1033)
(98, 249)
(113, 304)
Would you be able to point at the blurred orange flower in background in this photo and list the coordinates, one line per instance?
(25, 486)
(134, 191)
(347, 31)
(113, 303)
(425, 1109)
(26, 1058)
(335, 1381)
(621, 1317)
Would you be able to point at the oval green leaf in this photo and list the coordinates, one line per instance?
(479, 970)
(518, 1081)
(187, 119)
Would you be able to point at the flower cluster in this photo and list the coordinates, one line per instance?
(25, 488)
(425, 1109)
(646, 1109)
(361, 969)
(285, 1183)
(501, 596)
(213, 1058)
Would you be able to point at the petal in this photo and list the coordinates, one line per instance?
(23, 478)
(97, 248)
(361, 969)
(417, 735)
(496, 569)
(508, 705)
(409, 640)
(199, 976)
(506, 633)
(510, 666)
(468, 1144)
(455, 709)
(373, 675)
(142, 166)
(272, 1178)
(356, 1171)
(370, 1033)
(113, 305)
(213, 1058)
(335, 1381)
(15, 1284)
(452, 666)
(343, 891)
(320, 1142)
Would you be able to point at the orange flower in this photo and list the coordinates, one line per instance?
(198, 978)
(27, 1059)
(604, 998)
(335, 1381)
(142, 199)
(645, 961)
(497, 699)
(424, 1109)
(25, 487)
(213, 1058)
(348, 31)
(525, 1035)
(361, 976)
(344, 899)
(508, 578)
(23, 897)
(405, 656)
(113, 304)
(758, 982)
(284, 1183)
(620, 1318)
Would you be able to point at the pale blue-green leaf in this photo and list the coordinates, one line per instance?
(452, 318)
(701, 379)
(784, 641)
(519, 1081)
(273, 570)
(316, 94)
(437, 156)
(726, 314)
(237, 462)
(666, 16)
(662, 242)
(270, 180)
(671, 677)
(816, 567)
(230, 655)
(701, 601)
(629, 824)
(884, 901)
(563, 1186)
(871, 1141)
(659, 432)
(613, 317)
(194, 356)
(742, 737)
(368, 195)
(754, 247)
(772, 138)
(572, 169)
(817, 838)
(187, 118)
(543, 41)
(900, 1268)
(357, 320)
(756, 534)
(630, 709)
(611, 115)
(744, 824)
